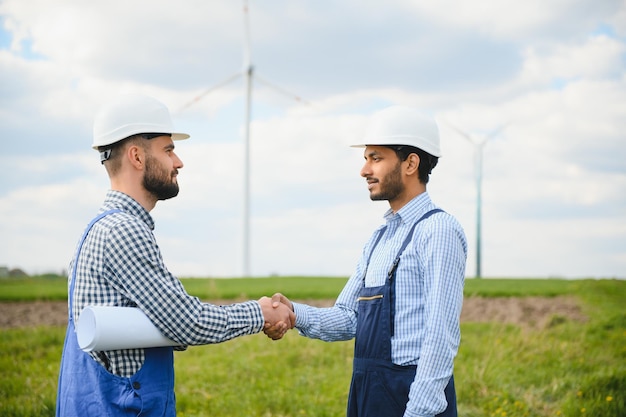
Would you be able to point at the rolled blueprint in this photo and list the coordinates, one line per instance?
(113, 328)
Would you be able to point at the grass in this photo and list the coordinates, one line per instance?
(566, 369)
(255, 376)
(49, 288)
(29, 360)
(54, 287)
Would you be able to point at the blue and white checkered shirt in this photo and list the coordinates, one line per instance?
(429, 297)
(121, 265)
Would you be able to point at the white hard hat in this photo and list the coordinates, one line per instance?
(131, 114)
(401, 125)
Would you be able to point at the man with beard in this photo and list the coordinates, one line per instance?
(403, 302)
(118, 263)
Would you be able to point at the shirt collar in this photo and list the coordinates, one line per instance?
(119, 200)
(412, 210)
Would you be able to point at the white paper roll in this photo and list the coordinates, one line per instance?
(113, 328)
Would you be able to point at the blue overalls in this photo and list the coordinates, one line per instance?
(379, 387)
(87, 389)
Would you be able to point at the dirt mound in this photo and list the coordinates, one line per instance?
(36, 313)
(533, 312)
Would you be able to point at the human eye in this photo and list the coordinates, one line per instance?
(373, 157)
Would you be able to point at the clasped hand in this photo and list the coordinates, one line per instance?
(278, 314)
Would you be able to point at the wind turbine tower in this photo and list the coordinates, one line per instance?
(248, 74)
(249, 70)
(479, 145)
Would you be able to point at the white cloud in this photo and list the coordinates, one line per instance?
(43, 223)
(598, 57)
(510, 19)
(553, 178)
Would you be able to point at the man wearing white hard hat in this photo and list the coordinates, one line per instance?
(118, 263)
(403, 302)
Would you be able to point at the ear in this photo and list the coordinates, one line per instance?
(413, 162)
(136, 156)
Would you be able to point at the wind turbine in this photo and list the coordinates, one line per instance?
(248, 74)
(479, 145)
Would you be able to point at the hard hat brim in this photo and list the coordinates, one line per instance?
(433, 151)
(180, 136)
(175, 136)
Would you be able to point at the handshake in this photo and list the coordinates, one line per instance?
(278, 314)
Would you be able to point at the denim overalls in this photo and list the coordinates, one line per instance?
(87, 389)
(379, 387)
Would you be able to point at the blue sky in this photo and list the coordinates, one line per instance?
(553, 72)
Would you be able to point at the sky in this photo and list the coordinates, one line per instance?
(540, 82)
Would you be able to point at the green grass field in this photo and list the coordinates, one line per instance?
(55, 287)
(565, 369)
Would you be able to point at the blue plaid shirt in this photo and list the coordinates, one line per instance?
(121, 265)
(429, 297)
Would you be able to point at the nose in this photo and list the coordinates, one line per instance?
(178, 163)
(365, 170)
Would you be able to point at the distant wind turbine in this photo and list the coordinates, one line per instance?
(248, 74)
(478, 173)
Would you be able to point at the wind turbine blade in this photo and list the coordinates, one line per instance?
(207, 91)
(281, 90)
(460, 132)
(497, 130)
(247, 58)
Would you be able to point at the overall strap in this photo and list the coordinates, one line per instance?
(392, 271)
(80, 246)
(393, 268)
(381, 232)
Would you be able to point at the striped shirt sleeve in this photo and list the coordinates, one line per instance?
(441, 253)
(337, 322)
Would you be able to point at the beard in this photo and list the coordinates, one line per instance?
(159, 182)
(390, 187)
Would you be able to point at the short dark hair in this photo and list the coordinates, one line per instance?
(113, 151)
(427, 161)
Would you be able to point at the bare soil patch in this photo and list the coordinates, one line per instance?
(33, 313)
(528, 312)
(532, 312)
